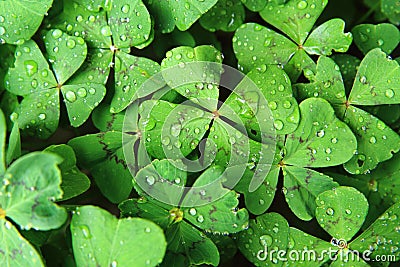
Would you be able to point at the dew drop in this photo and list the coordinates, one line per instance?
(71, 43)
(281, 87)
(31, 67)
(44, 73)
(372, 140)
(266, 240)
(85, 231)
(57, 33)
(193, 211)
(348, 211)
(42, 116)
(321, 133)
(363, 79)
(380, 125)
(278, 124)
(165, 140)
(176, 129)
(334, 140)
(150, 180)
(389, 93)
(380, 42)
(70, 96)
(302, 4)
(34, 83)
(330, 211)
(81, 92)
(200, 219)
(105, 31)
(92, 91)
(272, 105)
(125, 9)
(267, 41)
(287, 104)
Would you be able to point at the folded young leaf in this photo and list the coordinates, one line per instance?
(74, 182)
(103, 155)
(29, 186)
(327, 84)
(185, 239)
(14, 145)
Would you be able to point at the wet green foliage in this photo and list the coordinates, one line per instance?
(199, 133)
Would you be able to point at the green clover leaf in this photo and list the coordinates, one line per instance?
(255, 5)
(203, 56)
(275, 86)
(183, 238)
(225, 15)
(266, 232)
(11, 242)
(33, 79)
(169, 14)
(315, 143)
(220, 215)
(254, 44)
(28, 188)
(20, 19)
(389, 8)
(74, 182)
(105, 243)
(296, 18)
(103, 153)
(371, 87)
(110, 29)
(382, 237)
(368, 36)
(341, 211)
(380, 186)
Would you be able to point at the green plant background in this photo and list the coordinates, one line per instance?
(69, 69)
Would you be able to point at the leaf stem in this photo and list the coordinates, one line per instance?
(370, 11)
